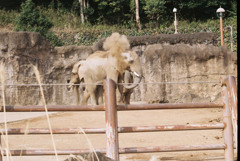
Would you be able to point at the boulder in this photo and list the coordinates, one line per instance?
(89, 157)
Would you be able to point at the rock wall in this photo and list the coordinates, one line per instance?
(165, 58)
(197, 69)
(19, 51)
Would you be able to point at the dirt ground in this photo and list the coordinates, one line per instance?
(125, 118)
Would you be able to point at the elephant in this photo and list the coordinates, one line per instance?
(104, 65)
(75, 84)
(109, 64)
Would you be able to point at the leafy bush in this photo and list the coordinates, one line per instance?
(31, 19)
(53, 39)
(7, 17)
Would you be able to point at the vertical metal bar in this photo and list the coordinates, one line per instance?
(230, 84)
(228, 131)
(221, 28)
(175, 23)
(1, 147)
(111, 119)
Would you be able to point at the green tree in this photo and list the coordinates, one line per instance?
(31, 19)
(155, 10)
(200, 10)
(110, 11)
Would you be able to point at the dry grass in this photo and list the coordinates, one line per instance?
(89, 142)
(5, 138)
(49, 124)
(46, 111)
(5, 135)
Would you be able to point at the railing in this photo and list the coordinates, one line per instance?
(112, 149)
(230, 101)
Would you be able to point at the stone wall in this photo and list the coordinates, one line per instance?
(165, 58)
(189, 65)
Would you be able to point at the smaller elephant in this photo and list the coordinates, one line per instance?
(77, 81)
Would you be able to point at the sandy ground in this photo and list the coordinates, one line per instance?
(125, 118)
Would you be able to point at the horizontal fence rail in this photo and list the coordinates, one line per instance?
(127, 150)
(53, 108)
(94, 84)
(19, 131)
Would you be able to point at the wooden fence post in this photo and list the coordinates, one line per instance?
(111, 119)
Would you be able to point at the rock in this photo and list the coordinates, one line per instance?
(89, 157)
(185, 63)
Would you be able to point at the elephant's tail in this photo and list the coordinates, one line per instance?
(116, 43)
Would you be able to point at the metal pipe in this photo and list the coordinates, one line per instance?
(171, 148)
(1, 146)
(53, 108)
(170, 128)
(168, 106)
(175, 23)
(39, 152)
(221, 29)
(228, 131)
(230, 84)
(119, 107)
(111, 119)
(22, 131)
(121, 150)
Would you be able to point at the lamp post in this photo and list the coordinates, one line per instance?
(220, 13)
(175, 19)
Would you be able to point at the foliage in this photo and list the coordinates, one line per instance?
(155, 9)
(54, 39)
(107, 16)
(7, 17)
(199, 10)
(109, 11)
(31, 19)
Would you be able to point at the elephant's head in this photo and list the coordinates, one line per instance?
(75, 77)
(132, 63)
(74, 80)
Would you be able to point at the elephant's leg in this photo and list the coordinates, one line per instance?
(119, 94)
(119, 91)
(85, 98)
(92, 91)
(76, 93)
(127, 97)
(100, 92)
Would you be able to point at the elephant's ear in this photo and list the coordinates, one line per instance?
(76, 66)
(127, 57)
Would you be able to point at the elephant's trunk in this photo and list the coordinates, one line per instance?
(70, 86)
(137, 80)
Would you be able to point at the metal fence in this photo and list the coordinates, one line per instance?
(229, 125)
